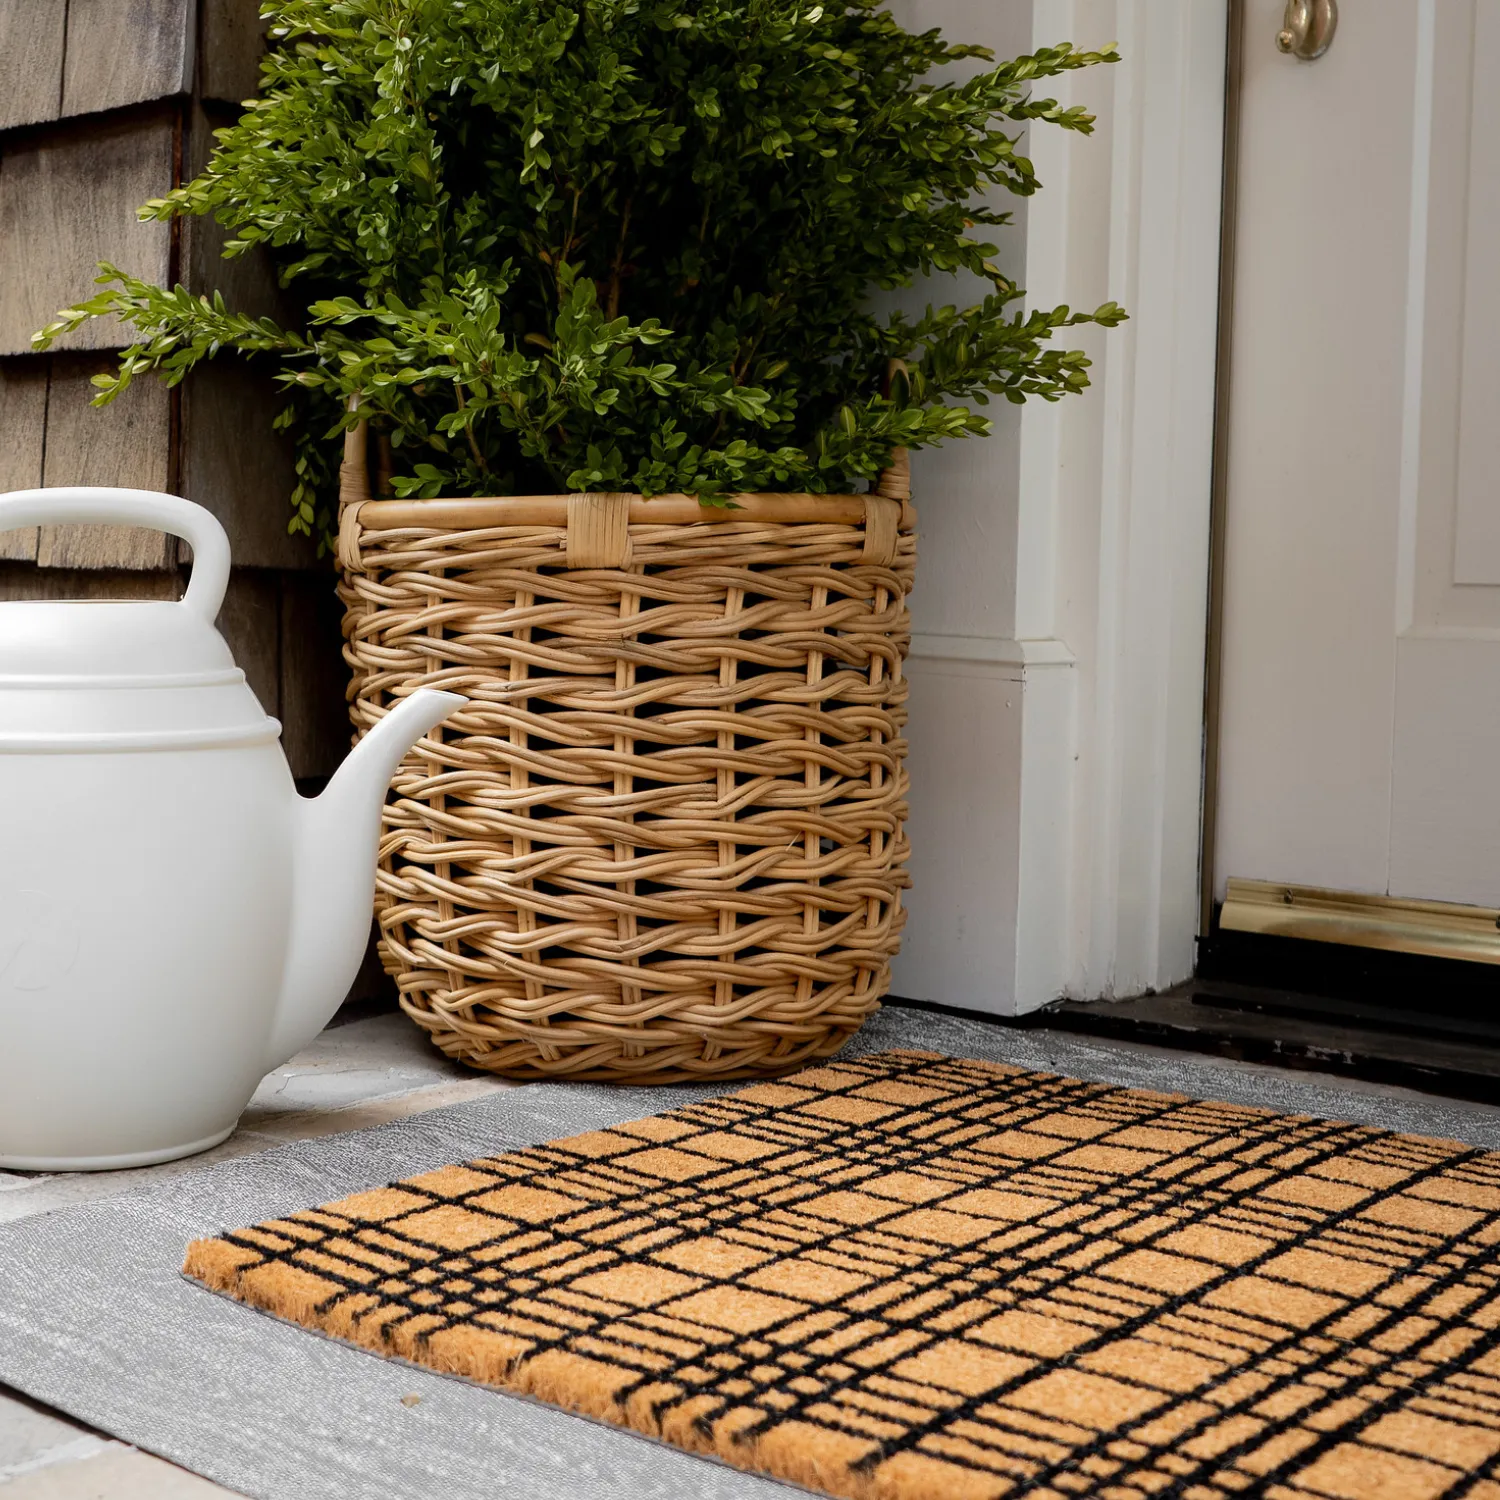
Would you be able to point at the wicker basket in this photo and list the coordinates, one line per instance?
(664, 841)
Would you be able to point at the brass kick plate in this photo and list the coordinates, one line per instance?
(1441, 929)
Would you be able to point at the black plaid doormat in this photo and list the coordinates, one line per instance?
(913, 1277)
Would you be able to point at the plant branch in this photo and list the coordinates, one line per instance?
(617, 269)
(483, 467)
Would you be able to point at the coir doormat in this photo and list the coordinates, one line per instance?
(924, 1278)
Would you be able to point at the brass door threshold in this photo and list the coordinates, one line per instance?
(1439, 929)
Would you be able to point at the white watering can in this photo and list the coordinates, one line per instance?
(175, 920)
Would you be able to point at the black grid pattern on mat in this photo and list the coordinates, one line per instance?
(927, 1277)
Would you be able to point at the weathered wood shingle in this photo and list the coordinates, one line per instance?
(23, 423)
(235, 463)
(248, 280)
(31, 60)
(126, 52)
(250, 622)
(315, 722)
(233, 38)
(127, 443)
(68, 200)
(61, 58)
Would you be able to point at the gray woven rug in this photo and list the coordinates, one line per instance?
(95, 1320)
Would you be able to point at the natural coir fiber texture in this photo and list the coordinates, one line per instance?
(923, 1278)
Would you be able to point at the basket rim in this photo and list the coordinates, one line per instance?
(893, 483)
(478, 512)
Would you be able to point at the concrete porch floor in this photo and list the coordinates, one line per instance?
(357, 1074)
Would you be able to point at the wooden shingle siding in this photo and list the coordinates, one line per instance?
(247, 281)
(22, 581)
(49, 435)
(237, 465)
(31, 60)
(315, 718)
(126, 52)
(60, 58)
(23, 422)
(233, 460)
(232, 37)
(250, 622)
(68, 200)
(103, 105)
(127, 443)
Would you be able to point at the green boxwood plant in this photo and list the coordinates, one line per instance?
(615, 244)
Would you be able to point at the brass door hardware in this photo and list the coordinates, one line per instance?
(1307, 28)
(1441, 929)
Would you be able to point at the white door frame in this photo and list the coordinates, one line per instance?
(1057, 707)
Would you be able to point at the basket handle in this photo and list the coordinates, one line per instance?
(354, 470)
(354, 490)
(894, 481)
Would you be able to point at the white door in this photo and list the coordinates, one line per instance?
(1360, 725)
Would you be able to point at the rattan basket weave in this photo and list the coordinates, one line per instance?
(664, 840)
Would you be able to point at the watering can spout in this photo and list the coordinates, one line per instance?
(333, 881)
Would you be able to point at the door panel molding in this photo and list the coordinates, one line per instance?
(1476, 547)
(1449, 551)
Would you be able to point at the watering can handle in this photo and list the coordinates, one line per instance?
(88, 505)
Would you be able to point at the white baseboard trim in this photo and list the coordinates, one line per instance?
(992, 736)
(996, 650)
